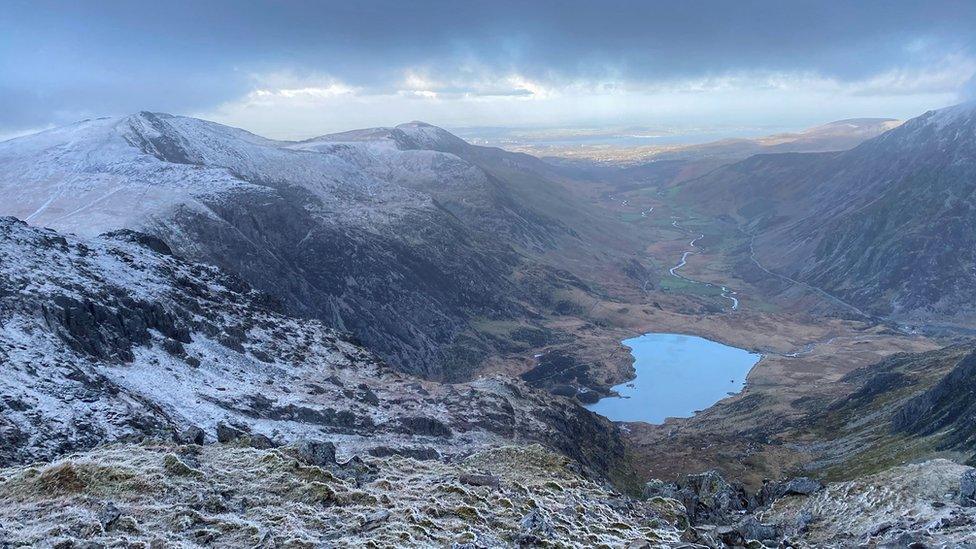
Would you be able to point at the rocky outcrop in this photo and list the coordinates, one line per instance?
(909, 406)
(908, 506)
(115, 338)
(710, 499)
(928, 504)
(948, 408)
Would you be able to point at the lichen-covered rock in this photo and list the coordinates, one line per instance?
(709, 498)
(237, 496)
(918, 503)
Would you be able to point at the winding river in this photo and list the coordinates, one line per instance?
(724, 291)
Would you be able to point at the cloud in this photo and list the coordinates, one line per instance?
(782, 99)
(60, 60)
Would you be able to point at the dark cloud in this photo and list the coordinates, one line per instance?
(62, 58)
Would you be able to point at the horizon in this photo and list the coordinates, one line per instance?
(500, 135)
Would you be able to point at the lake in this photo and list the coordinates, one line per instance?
(676, 375)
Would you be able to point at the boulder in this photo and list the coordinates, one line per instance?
(967, 489)
(536, 528)
(710, 499)
(261, 442)
(730, 536)
(751, 528)
(317, 453)
(108, 516)
(702, 535)
(475, 479)
(800, 486)
(229, 433)
(191, 435)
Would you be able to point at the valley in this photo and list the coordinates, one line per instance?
(487, 275)
(808, 341)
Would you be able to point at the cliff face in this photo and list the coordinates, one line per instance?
(948, 409)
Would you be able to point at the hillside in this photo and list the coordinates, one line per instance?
(887, 226)
(114, 338)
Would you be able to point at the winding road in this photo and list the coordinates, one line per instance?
(835, 299)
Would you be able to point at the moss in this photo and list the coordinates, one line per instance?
(75, 477)
(467, 512)
(60, 479)
(358, 498)
(315, 492)
(453, 489)
(553, 485)
(175, 466)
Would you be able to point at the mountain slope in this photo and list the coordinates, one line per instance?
(906, 408)
(115, 338)
(503, 193)
(401, 247)
(889, 226)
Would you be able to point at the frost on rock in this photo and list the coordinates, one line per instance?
(911, 504)
(115, 338)
(230, 496)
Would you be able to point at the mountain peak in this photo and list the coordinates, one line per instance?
(428, 136)
(963, 111)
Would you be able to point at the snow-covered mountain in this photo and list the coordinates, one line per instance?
(115, 338)
(369, 231)
(110, 173)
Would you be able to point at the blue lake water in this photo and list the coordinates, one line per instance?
(676, 375)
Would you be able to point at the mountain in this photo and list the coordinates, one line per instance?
(889, 226)
(115, 338)
(384, 233)
(492, 190)
(908, 407)
(833, 136)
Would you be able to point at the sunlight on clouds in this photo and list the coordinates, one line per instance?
(286, 105)
(313, 92)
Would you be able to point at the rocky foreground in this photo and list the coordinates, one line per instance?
(232, 495)
(239, 494)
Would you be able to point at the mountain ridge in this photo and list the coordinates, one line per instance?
(861, 224)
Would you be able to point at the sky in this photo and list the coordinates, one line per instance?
(295, 69)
